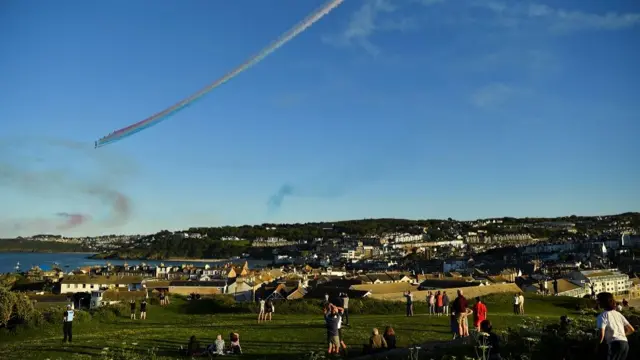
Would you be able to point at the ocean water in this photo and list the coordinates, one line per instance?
(70, 261)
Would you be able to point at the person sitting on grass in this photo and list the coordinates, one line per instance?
(234, 344)
(193, 348)
(377, 342)
(217, 348)
(390, 337)
(492, 340)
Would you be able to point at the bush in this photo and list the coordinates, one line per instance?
(56, 315)
(110, 312)
(216, 304)
(15, 309)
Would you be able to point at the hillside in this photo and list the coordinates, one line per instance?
(297, 328)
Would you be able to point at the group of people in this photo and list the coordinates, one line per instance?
(438, 303)
(333, 318)
(143, 309)
(266, 310)
(218, 347)
(341, 301)
(460, 312)
(164, 299)
(336, 316)
(381, 342)
(518, 304)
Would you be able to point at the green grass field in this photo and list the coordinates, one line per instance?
(167, 328)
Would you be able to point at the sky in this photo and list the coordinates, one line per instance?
(384, 108)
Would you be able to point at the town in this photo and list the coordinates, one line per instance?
(379, 259)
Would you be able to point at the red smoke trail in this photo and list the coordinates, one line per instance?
(73, 220)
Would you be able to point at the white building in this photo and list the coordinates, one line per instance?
(608, 280)
(80, 284)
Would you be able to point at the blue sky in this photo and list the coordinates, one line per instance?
(405, 108)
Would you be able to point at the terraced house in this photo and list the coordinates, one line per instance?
(86, 283)
(608, 280)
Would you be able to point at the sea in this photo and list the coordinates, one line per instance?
(71, 261)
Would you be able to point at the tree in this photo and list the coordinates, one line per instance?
(15, 308)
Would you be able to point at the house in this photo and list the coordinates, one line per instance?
(385, 288)
(608, 280)
(187, 287)
(282, 291)
(241, 290)
(565, 288)
(84, 283)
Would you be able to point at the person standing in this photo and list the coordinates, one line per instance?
(345, 306)
(460, 308)
(516, 304)
(445, 303)
(261, 314)
(439, 304)
(269, 309)
(613, 328)
(133, 309)
(409, 296)
(67, 324)
(333, 334)
(521, 304)
(432, 303)
(143, 309)
(479, 313)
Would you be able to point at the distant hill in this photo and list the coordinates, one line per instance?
(26, 245)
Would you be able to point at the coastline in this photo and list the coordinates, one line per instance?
(46, 252)
(172, 259)
(197, 260)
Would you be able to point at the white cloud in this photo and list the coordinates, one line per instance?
(557, 19)
(371, 18)
(363, 23)
(492, 95)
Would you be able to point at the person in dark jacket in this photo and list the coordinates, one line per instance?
(493, 340)
(390, 337)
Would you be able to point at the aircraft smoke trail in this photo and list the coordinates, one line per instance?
(73, 220)
(331, 183)
(275, 200)
(164, 114)
(36, 176)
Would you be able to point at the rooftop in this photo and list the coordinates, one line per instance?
(600, 274)
(86, 279)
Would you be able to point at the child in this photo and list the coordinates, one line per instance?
(234, 346)
(454, 325)
(217, 348)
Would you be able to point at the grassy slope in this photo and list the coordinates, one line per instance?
(167, 328)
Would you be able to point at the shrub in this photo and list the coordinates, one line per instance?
(110, 312)
(56, 315)
(216, 304)
(15, 309)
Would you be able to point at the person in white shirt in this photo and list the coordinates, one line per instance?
(516, 304)
(613, 328)
(261, 316)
